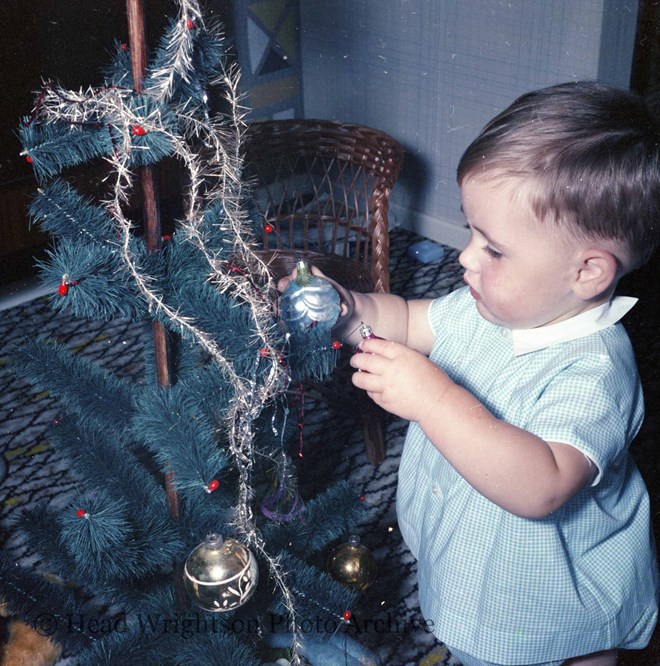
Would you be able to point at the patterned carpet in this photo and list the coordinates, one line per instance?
(332, 442)
(35, 472)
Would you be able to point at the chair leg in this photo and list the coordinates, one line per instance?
(372, 420)
(374, 440)
(369, 415)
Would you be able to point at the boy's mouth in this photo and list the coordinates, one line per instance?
(474, 294)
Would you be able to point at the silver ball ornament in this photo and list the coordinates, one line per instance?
(220, 574)
(309, 300)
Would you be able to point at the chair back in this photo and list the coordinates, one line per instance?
(322, 188)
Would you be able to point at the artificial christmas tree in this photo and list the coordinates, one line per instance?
(170, 468)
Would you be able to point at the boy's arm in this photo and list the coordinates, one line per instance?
(389, 316)
(511, 467)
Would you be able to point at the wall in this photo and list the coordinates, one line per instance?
(267, 38)
(432, 72)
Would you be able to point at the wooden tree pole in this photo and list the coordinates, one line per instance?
(138, 49)
(137, 38)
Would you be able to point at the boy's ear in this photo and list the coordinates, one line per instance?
(597, 271)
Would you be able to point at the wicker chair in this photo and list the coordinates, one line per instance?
(323, 190)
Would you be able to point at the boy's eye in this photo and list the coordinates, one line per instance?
(491, 252)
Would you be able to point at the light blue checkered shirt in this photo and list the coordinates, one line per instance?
(514, 590)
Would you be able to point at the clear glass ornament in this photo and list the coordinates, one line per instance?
(284, 503)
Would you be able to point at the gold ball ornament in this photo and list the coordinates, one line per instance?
(352, 564)
(220, 574)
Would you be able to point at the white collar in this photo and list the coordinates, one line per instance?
(588, 322)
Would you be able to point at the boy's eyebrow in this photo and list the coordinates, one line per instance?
(491, 241)
(469, 225)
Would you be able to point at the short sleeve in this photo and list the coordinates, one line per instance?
(594, 404)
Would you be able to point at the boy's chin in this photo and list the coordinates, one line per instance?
(489, 316)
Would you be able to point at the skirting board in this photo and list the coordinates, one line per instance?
(22, 292)
(440, 230)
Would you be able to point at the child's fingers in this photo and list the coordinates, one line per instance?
(367, 381)
(381, 347)
(370, 364)
(360, 361)
(284, 282)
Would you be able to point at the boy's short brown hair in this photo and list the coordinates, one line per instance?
(592, 154)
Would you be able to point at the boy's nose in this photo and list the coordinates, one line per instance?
(467, 258)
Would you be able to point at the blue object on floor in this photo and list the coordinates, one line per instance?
(426, 251)
(322, 650)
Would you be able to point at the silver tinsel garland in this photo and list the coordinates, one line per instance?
(221, 165)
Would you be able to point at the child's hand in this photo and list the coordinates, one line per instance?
(399, 379)
(284, 282)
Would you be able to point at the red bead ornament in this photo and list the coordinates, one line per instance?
(190, 24)
(347, 615)
(263, 352)
(213, 485)
(28, 159)
(269, 228)
(138, 130)
(361, 498)
(336, 344)
(81, 513)
(63, 289)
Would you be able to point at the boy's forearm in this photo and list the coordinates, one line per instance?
(386, 314)
(513, 468)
